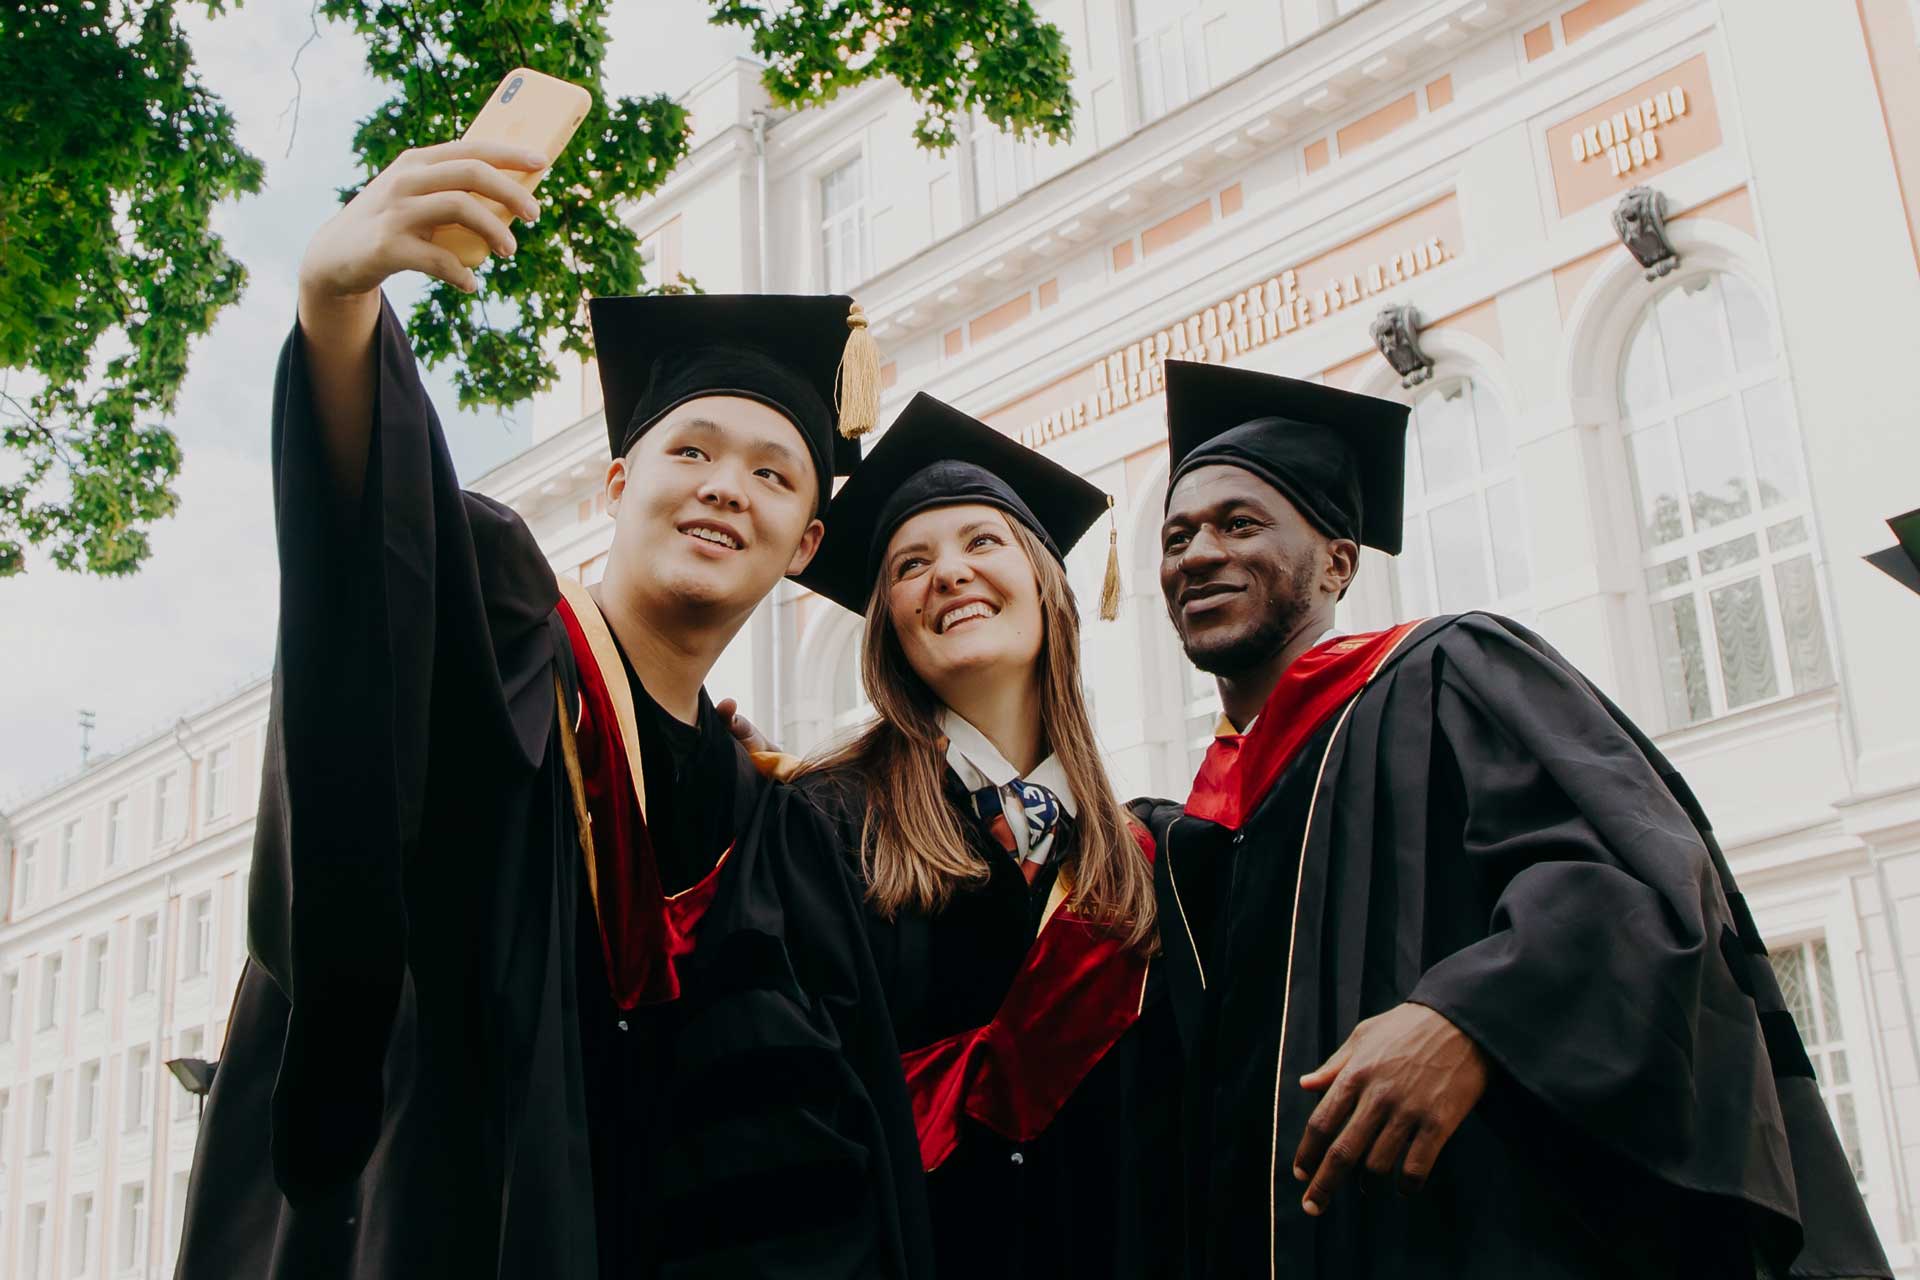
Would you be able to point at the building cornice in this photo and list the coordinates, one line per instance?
(128, 890)
(1268, 108)
(233, 709)
(551, 471)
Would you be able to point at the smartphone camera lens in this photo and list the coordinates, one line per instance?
(513, 87)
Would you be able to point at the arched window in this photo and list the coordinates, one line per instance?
(1465, 541)
(1726, 529)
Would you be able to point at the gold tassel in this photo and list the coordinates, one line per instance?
(1110, 589)
(857, 394)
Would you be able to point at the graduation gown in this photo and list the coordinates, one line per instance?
(460, 1048)
(1043, 1064)
(1450, 814)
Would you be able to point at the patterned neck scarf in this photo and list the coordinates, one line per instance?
(1019, 814)
(1039, 811)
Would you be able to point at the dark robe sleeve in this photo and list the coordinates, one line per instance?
(1612, 984)
(425, 596)
(789, 1095)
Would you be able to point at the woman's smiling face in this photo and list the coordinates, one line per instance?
(962, 595)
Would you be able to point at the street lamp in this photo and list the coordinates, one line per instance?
(195, 1076)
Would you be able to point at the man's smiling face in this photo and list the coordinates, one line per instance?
(1239, 566)
(712, 506)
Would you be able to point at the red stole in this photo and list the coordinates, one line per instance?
(1239, 768)
(1077, 992)
(643, 931)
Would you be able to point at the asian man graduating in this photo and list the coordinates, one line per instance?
(545, 979)
(1466, 986)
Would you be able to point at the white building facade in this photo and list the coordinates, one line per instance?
(123, 942)
(1672, 478)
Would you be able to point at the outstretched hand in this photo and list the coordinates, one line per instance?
(388, 227)
(741, 728)
(1395, 1093)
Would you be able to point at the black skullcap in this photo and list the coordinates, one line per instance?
(1338, 456)
(657, 352)
(936, 456)
(1901, 561)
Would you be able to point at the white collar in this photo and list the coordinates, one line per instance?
(972, 748)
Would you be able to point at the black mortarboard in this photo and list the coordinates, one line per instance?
(1901, 562)
(936, 456)
(661, 350)
(1338, 456)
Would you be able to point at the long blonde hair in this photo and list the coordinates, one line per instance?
(913, 847)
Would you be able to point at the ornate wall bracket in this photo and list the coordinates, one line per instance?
(1640, 220)
(1396, 331)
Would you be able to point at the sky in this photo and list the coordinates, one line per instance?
(197, 622)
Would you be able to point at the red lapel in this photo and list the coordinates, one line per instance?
(1240, 767)
(1076, 994)
(643, 932)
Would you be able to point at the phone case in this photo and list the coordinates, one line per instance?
(527, 109)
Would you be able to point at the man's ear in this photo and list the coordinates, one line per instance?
(809, 543)
(616, 483)
(1343, 561)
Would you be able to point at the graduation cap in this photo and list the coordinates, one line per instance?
(1338, 456)
(1901, 562)
(936, 456)
(809, 357)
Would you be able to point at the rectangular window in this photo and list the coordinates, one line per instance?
(116, 831)
(50, 969)
(139, 1086)
(69, 853)
(1002, 165)
(1807, 981)
(240, 915)
(133, 1225)
(197, 938)
(33, 1243)
(86, 1103)
(1169, 55)
(176, 1217)
(146, 954)
(219, 782)
(9, 1001)
(93, 992)
(80, 1235)
(40, 1122)
(844, 256)
(191, 1043)
(163, 804)
(29, 863)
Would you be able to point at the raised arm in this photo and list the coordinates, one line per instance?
(413, 634)
(384, 230)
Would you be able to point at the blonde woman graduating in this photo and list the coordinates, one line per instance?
(1009, 900)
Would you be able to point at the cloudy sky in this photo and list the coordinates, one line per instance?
(198, 620)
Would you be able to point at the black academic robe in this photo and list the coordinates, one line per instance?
(1092, 1194)
(425, 1072)
(1477, 829)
